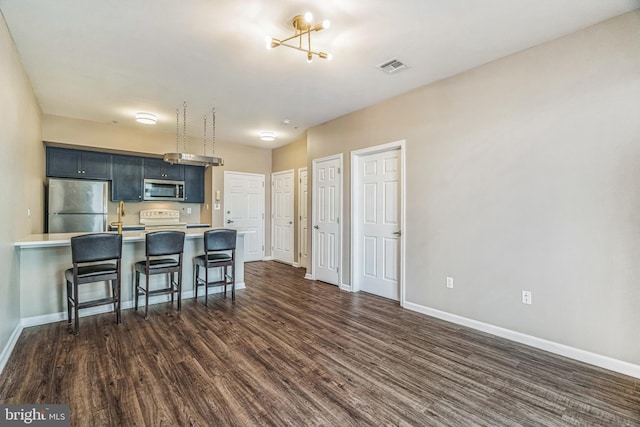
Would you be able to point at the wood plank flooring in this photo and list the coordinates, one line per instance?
(295, 352)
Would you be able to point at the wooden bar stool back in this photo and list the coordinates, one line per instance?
(88, 253)
(161, 250)
(219, 251)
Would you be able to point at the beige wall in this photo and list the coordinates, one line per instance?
(292, 156)
(522, 174)
(21, 186)
(142, 139)
(146, 141)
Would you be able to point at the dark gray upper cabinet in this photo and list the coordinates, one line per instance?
(194, 184)
(126, 183)
(68, 163)
(127, 173)
(159, 169)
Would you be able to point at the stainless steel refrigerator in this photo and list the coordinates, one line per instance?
(77, 205)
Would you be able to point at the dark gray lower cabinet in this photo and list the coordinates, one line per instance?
(126, 181)
(194, 184)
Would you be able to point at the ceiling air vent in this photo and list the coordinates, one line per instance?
(392, 66)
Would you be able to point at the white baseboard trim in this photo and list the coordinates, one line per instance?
(308, 276)
(296, 265)
(595, 359)
(267, 258)
(345, 287)
(8, 349)
(158, 299)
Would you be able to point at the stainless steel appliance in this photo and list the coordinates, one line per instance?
(76, 205)
(159, 219)
(156, 189)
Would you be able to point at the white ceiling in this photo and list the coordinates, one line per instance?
(104, 60)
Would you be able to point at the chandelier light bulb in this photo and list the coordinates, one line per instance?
(302, 36)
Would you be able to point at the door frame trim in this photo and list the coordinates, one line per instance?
(314, 171)
(356, 155)
(302, 202)
(293, 214)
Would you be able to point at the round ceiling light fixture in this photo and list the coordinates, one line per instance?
(267, 135)
(146, 118)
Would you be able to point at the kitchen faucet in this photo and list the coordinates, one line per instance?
(120, 215)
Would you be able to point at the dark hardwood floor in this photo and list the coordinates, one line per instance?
(295, 352)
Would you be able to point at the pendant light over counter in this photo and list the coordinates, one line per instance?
(185, 158)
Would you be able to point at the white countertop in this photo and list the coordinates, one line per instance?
(63, 239)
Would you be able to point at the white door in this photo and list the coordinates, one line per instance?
(377, 198)
(282, 216)
(244, 209)
(327, 208)
(303, 217)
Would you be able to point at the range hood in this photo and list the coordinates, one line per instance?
(188, 158)
(192, 159)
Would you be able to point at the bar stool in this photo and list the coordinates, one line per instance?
(86, 251)
(219, 251)
(161, 244)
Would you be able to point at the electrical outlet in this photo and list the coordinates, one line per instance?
(449, 282)
(188, 210)
(526, 297)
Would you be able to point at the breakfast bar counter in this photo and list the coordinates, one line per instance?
(43, 258)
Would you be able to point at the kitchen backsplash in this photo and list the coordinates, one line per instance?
(132, 211)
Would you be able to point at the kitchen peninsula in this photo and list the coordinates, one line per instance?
(43, 258)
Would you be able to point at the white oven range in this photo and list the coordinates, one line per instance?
(161, 219)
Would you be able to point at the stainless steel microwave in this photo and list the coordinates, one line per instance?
(156, 189)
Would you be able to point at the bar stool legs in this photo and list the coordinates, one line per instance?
(161, 244)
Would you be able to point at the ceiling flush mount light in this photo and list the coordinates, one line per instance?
(302, 24)
(267, 135)
(146, 118)
(183, 158)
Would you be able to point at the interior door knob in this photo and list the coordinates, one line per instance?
(316, 227)
(229, 221)
(398, 233)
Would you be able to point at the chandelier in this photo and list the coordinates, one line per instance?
(184, 158)
(303, 29)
